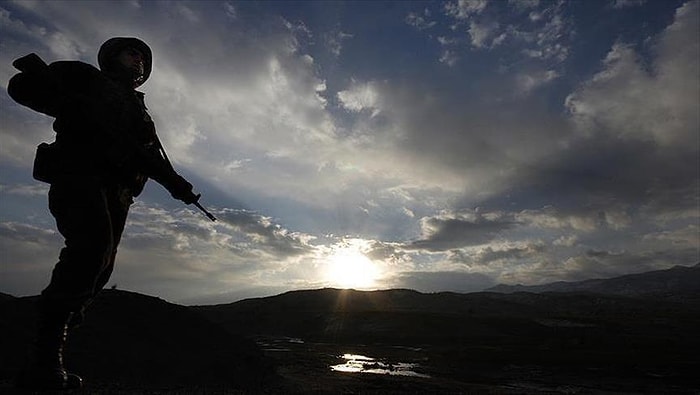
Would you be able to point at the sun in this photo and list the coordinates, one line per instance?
(350, 268)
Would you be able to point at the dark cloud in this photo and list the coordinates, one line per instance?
(601, 174)
(490, 256)
(515, 253)
(446, 232)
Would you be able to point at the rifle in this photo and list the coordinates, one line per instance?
(32, 63)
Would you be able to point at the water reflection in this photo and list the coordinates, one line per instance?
(278, 344)
(362, 364)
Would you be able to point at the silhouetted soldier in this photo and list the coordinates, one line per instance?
(105, 150)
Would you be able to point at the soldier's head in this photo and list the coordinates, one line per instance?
(127, 59)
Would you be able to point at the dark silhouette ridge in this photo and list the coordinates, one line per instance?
(410, 316)
(135, 341)
(4, 297)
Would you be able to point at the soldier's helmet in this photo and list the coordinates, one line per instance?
(109, 51)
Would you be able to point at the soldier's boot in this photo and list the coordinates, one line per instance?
(44, 368)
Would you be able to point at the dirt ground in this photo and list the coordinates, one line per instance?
(305, 368)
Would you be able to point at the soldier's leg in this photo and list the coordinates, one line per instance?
(82, 218)
(118, 202)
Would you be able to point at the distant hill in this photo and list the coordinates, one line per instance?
(678, 282)
(408, 317)
(134, 340)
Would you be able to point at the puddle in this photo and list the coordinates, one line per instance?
(361, 364)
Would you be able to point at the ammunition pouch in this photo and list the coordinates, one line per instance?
(46, 162)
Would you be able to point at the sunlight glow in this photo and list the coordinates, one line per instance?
(347, 267)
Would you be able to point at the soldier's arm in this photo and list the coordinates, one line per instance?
(157, 167)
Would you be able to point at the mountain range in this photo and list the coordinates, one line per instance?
(679, 281)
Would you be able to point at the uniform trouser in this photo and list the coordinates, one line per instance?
(91, 218)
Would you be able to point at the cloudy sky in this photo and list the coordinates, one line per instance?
(438, 146)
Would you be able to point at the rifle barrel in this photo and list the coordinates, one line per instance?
(207, 213)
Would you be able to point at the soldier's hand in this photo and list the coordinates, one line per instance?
(181, 190)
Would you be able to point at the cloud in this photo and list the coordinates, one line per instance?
(552, 218)
(454, 230)
(230, 10)
(567, 241)
(28, 253)
(449, 57)
(546, 38)
(481, 33)
(266, 235)
(627, 112)
(463, 9)
(419, 21)
(620, 4)
(21, 132)
(472, 146)
(334, 41)
(15, 27)
(516, 253)
(527, 82)
(26, 190)
(684, 236)
(236, 231)
(359, 97)
(523, 5)
(632, 102)
(501, 257)
(26, 233)
(538, 31)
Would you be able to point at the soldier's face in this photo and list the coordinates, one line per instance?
(132, 59)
